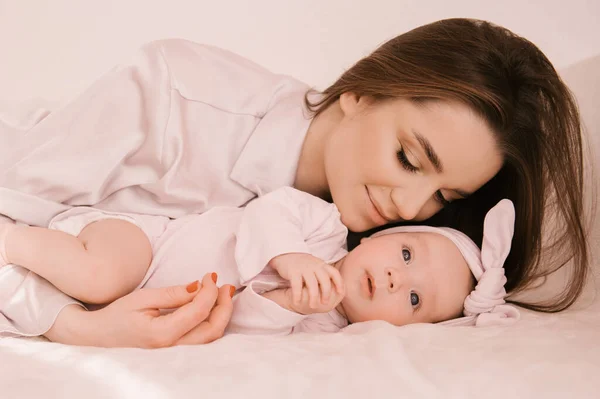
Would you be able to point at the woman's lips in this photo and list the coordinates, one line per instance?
(374, 213)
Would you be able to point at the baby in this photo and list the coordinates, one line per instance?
(285, 255)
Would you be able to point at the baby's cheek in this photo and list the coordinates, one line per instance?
(358, 312)
(389, 312)
(402, 321)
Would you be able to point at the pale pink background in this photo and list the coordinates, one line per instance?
(54, 48)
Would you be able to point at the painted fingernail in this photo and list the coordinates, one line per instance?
(214, 277)
(231, 290)
(193, 287)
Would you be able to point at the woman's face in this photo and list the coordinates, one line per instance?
(398, 160)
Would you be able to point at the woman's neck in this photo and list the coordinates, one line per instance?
(310, 174)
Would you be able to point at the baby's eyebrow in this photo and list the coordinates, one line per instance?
(428, 295)
(421, 244)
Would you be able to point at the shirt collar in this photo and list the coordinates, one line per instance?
(270, 157)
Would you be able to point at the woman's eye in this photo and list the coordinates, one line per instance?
(414, 299)
(406, 255)
(405, 162)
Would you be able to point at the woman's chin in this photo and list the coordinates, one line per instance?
(358, 224)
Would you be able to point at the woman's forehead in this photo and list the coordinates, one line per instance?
(452, 138)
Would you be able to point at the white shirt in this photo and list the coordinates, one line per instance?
(180, 128)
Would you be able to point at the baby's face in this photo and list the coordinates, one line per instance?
(405, 278)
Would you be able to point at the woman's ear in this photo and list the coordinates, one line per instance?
(351, 103)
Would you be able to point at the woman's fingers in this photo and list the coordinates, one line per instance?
(165, 298)
(214, 327)
(174, 325)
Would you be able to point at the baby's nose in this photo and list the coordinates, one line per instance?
(393, 279)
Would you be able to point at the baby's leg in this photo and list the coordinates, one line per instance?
(107, 260)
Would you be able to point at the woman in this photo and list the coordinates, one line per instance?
(457, 111)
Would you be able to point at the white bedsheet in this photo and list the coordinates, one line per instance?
(542, 356)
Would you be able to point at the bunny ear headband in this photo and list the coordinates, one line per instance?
(485, 305)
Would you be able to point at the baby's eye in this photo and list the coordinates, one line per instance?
(406, 255)
(414, 299)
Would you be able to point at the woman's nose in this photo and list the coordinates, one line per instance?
(410, 202)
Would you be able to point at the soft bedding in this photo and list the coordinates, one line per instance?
(553, 356)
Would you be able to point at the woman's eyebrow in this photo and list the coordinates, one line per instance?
(429, 151)
(435, 160)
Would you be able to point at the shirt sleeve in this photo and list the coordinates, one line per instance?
(286, 221)
(255, 314)
(140, 138)
(331, 322)
(78, 154)
(29, 304)
(107, 138)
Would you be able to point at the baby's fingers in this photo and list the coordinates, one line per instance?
(296, 285)
(325, 284)
(312, 285)
(336, 277)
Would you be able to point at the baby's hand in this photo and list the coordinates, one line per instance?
(304, 307)
(310, 280)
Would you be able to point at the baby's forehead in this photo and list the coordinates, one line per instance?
(438, 249)
(425, 237)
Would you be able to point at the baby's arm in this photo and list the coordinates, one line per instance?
(288, 221)
(106, 261)
(285, 229)
(281, 297)
(260, 309)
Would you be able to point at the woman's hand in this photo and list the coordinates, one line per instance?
(135, 320)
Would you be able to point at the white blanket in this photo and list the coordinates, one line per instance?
(556, 356)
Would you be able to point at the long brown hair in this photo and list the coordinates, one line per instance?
(509, 82)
